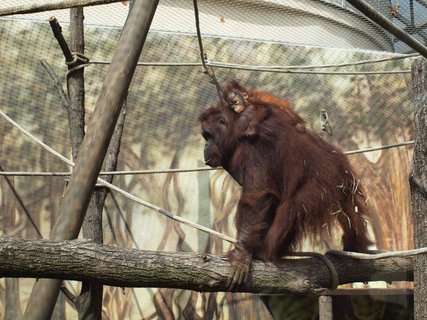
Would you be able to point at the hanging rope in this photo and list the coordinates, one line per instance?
(209, 71)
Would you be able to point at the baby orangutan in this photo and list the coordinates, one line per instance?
(250, 115)
(251, 105)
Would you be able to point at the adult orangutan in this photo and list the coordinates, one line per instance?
(294, 184)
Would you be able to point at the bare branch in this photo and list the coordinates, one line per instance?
(56, 84)
(85, 260)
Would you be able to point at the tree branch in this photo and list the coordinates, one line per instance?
(85, 260)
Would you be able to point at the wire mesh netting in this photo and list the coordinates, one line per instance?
(322, 56)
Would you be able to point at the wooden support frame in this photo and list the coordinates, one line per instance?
(95, 145)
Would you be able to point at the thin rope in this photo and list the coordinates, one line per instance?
(291, 71)
(39, 142)
(383, 255)
(209, 71)
(199, 35)
(156, 171)
(323, 66)
(273, 69)
(331, 267)
(155, 64)
(119, 190)
(388, 146)
(79, 61)
(348, 64)
(320, 66)
(117, 173)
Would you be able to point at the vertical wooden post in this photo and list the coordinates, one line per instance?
(325, 308)
(89, 302)
(76, 109)
(418, 184)
(76, 84)
(12, 308)
(94, 146)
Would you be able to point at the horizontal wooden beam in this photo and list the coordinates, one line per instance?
(50, 5)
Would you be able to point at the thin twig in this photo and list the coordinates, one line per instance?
(56, 83)
(68, 294)
(21, 203)
(57, 32)
(127, 227)
(110, 223)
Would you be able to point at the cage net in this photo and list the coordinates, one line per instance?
(322, 56)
